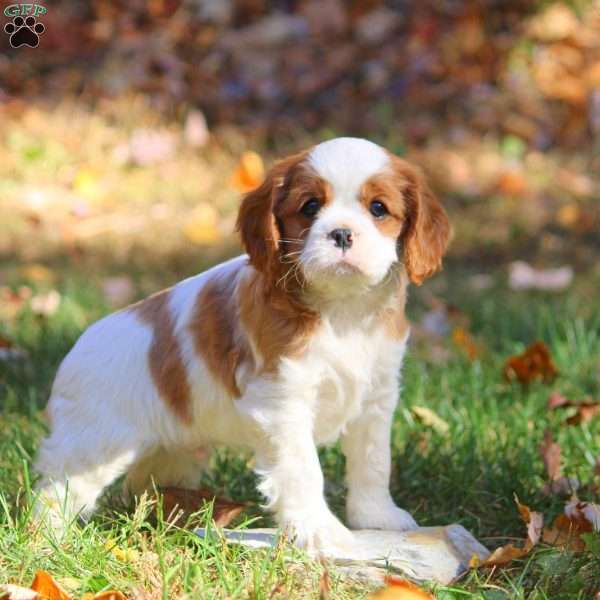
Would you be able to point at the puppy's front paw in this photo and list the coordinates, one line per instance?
(318, 533)
(380, 515)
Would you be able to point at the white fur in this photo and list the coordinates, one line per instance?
(107, 417)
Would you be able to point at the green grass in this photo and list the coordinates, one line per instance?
(468, 475)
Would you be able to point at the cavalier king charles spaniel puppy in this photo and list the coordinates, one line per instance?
(296, 344)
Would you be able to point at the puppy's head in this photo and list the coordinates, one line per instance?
(343, 213)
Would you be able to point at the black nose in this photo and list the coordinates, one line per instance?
(342, 238)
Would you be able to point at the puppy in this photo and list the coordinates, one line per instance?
(292, 346)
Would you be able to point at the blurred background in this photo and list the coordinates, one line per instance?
(128, 135)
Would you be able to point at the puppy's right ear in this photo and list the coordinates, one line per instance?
(256, 221)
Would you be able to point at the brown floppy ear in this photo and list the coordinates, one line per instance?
(256, 221)
(427, 229)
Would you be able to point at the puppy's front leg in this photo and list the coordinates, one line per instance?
(288, 463)
(366, 444)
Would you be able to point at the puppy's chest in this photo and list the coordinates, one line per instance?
(347, 364)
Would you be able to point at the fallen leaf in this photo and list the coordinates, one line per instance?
(556, 400)
(249, 172)
(462, 338)
(47, 587)
(86, 184)
(512, 183)
(400, 589)
(37, 273)
(505, 554)
(578, 517)
(430, 419)
(585, 412)
(523, 276)
(535, 363)
(551, 452)
(12, 301)
(108, 595)
(190, 501)
(123, 555)
(535, 524)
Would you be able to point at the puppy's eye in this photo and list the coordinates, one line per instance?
(310, 208)
(378, 209)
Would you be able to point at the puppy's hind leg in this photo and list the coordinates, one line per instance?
(167, 468)
(76, 462)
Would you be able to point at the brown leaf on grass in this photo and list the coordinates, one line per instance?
(502, 556)
(430, 419)
(577, 518)
(550, 451)
(400, 589)
(535, 524)
(556, 400)
(249, 172)
(47, 587)
(463, 340)
(585, 410)
(535, 363)
(505, 554)
(179, 500)
(107, 595)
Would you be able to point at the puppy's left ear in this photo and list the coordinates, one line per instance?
(427, 230)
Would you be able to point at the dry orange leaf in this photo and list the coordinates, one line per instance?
(47, 588)
(512, 183)
(462, 338)
(535, 363)
(585, 411)
(505, 554)
(108, 595)
(400, 589)
(578, 517)
(249, 172)
(550, 452)
(189, 501)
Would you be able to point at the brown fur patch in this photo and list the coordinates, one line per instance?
(164, 358)
(277, 322)
(388, 188)
(302, 185)
(215, 332)
(256, 219)
(273, 232)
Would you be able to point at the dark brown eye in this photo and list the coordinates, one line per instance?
(310, 208)
(378, 209)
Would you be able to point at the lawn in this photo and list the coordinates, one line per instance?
(468, 474)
